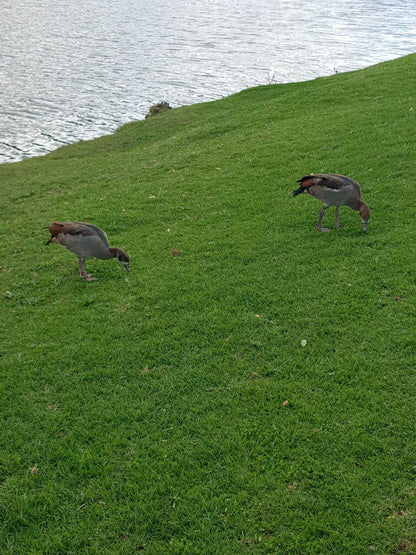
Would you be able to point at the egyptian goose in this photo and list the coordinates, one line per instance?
(86, 240)
(334, 190)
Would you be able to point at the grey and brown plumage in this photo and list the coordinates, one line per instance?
(85, 240)
(334, 190)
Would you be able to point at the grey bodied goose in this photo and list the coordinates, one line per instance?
(334, 190)
(86, 240)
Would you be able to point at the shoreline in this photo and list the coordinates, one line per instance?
(91, 137)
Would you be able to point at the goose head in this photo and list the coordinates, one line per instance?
(121, 256)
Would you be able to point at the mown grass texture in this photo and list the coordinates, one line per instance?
(173, 409)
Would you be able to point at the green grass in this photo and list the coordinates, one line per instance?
(154, 407)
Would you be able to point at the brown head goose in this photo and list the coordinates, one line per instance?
(86, 240)
(334, 190)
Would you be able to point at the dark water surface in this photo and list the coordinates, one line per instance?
(72, 70)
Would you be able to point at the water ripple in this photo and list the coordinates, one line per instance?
(72, 71)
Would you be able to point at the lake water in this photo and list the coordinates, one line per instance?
(72, 70)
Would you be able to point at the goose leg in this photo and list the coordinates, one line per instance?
(336, 217)
(321, 215)
(82, 271)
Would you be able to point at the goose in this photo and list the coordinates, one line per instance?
(84, 240)
(334, 190)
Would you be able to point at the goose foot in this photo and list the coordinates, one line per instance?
(87, 277)
(322, 228)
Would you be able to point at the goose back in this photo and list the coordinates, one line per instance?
(81, 238)
(332, 189)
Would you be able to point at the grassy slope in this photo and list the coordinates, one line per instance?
(153, 408)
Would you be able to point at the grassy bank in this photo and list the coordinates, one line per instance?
(176, 411)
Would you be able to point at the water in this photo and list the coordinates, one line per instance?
(73, 70)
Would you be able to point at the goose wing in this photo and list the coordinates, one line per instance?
(86, 230)
(83, 239)
(335, 181)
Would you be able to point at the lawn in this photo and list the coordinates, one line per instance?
(174, 409)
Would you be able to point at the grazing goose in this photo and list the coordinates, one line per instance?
(334, 190)
(86, 240)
